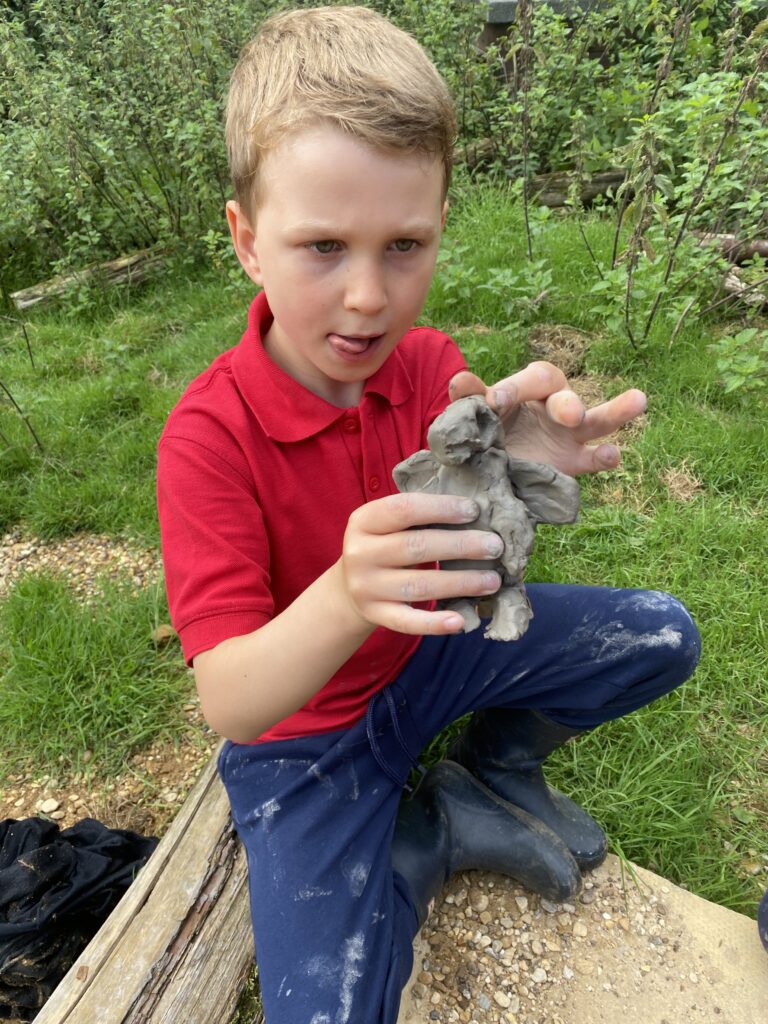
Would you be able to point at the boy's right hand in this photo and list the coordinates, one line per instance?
(382, 555)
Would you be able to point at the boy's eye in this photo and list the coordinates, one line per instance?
(405, 244)
(324, 248)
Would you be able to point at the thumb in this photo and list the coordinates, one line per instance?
(463, 384)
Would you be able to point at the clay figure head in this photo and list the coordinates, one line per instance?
(466, 427)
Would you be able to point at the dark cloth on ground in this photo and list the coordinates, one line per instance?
(56, 890)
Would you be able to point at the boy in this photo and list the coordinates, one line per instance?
(303, 595)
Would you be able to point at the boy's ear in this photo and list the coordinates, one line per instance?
(443, 215)
(244, 241)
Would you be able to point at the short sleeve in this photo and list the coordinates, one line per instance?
(215, 548)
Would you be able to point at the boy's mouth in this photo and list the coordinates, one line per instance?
(353, 346)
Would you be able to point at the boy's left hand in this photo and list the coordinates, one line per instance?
(545, 421)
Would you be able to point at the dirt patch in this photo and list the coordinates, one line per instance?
(144, 798)
(560, 344)
(680, 483)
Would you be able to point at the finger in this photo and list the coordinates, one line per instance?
(610, 416)
(416, 547)
(416, 586)
(416, 621)
(463, 384)
(595, 459)
(398, 512)
(566, 408)
(536, 382)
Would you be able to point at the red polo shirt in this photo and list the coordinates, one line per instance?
(257, 478)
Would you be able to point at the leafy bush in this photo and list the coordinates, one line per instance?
(112, 134)
(112, 137)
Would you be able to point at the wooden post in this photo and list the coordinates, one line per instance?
(178, 947)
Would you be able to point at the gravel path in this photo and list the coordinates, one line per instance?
(634, 949)
(82, 559)
(498, 954)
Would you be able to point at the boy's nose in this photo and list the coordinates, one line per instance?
(365, 289)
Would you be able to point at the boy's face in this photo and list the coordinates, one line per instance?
(344, 243)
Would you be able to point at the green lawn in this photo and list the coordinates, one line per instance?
(681, 786)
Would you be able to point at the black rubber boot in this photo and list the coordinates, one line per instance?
(505, 748)
(454, 823)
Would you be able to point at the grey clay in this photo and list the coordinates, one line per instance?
(467, 457)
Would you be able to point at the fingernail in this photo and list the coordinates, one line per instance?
(491, 581)
(469, 510)
(611, 457)
(494, 545)
(501, 398)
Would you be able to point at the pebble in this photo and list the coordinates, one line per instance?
(49, 806)
(501, 999)
(478, 900)
(539, 976)
(586, 966)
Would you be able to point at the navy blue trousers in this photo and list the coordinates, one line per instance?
(333, 924)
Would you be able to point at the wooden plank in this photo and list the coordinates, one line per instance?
(178, 947)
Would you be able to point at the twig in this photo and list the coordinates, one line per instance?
(680, 30)
(24, 416)
(679, 324)
(735, 296)
(628, 302)
(747, 91)
(524, 15)
(15, 320)
(589, 250)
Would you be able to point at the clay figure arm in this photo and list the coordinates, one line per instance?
(418, 473)
(549, 496)
(545, 421)
(508, 516)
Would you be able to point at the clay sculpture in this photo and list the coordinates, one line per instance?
(467, 457)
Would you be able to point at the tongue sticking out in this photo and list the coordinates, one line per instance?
(348, 345)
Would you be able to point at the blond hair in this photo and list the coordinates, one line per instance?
(345, 66)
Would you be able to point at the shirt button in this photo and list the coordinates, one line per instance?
(351, 425)
(374, 483)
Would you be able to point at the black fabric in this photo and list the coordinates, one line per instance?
(56, 890)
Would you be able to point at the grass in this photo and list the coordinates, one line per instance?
(85, 677)
(680, 786)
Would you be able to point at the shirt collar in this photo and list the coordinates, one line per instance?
(285, 409)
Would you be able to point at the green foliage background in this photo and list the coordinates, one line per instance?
(111, 110)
